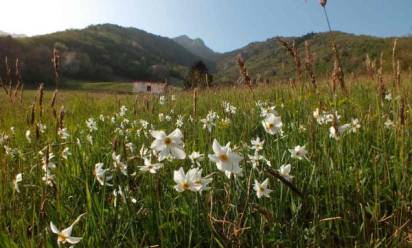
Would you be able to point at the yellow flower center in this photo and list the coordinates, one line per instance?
(61, 238)
(270, 125)
(185, 185)
(168, 141)
(261, 189)
(223, 157)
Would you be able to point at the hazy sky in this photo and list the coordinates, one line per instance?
(223, 24)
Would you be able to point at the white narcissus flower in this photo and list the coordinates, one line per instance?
(65, 235)
(255, 158)
(284, 171)
(100, 174)
(342, 129)
(150, 167)
(28, 134)
(388, 96)
(389, 124)
(3, 138)
(210, 121)
(333, 133)
(179, 121)
(123, 110)
(196, 158)
(63, 133)
(47, 167)
(262, 188)
(66, 153)
(89, 139)
(316, 113)
(226, 160)
(272, 124)
(118, 164)
(168, 145)
(91, 124)
(192, 180)
(162, 100)
(116, 193)
(49, 178)
(228, 108)
(257, 144)
(355, 126)
(226, 122)
(144, 152)
(144, 124)
(267, 111)
(16, 181)
(299, 152)
(42, 128)
(131, 147)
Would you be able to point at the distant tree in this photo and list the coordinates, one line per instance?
(199, 76)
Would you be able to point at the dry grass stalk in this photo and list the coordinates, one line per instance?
(276, 174)
(335, 76)
(56, 65)
(370, 67)
(293, 51)
(61, 118)
(402, 112)
(3, 86)
(338, 76)
(382, 88)
(243, 71)
(40, 103)
(194, 103)
(135, 106)
(33, 114)
(292, 83)
(19, 84)
(394, 55)
(53, 103)
(21, 93)
(309, 64)
(37, 131)
(398, 74)
(8, 75)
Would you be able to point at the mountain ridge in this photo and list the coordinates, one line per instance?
(198, 47)
(109, 52)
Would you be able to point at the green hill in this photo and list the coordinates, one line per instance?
(198, 47)
(100, 53)
(269, 60)
(113, 53)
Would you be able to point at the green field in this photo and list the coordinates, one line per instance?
(109, 87)
(353, 188)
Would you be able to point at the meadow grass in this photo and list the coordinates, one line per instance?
(356, 190)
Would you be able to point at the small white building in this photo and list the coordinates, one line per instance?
(149, 87)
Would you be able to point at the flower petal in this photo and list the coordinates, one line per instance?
(178, 153)
(73, 240)
(54, 228)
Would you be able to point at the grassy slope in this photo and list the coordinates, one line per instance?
(271, 61)
(362, 182)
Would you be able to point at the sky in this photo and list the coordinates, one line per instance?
(224, 25)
